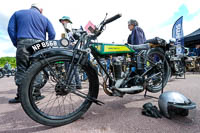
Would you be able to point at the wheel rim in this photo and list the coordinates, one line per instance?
(57, 103)
(156, 84)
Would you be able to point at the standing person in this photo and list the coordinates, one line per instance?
(65, 20)
(8, 68)
(197, 50)
(137, 35)
(25, 28)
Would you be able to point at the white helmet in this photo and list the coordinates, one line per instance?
(174, 103)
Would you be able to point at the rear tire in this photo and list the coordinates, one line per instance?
(160, 53)
(37, 115)
(12, 72)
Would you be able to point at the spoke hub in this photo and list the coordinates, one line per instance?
(61, 90)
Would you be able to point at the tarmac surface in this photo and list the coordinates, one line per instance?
(118, 115)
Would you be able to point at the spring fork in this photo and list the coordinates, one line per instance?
(72, 66)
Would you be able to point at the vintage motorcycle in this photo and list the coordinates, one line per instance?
(193, 63)
(8, 73)
(139, 68)
(177, 62)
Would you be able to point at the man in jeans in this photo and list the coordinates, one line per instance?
(27, 27)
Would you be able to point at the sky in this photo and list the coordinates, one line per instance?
(155, 17)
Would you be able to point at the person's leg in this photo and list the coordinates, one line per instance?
(37, 84)
(84, 76)
(9, 72)
(67, 65)
(77, 79)
(22, 63)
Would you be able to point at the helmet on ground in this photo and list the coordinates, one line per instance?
(171, 103)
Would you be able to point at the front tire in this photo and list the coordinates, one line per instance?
(32, 107)
(1, 74)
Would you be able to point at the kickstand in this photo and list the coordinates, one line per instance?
(145, 95)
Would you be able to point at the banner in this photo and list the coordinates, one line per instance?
(177, 33)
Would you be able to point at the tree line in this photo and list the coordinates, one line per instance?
(10, 60)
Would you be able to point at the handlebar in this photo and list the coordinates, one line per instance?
(109, 20)
(112, 19)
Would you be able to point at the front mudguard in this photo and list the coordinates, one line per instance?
(47, 53)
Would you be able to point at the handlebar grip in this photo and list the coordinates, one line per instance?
(112, 19)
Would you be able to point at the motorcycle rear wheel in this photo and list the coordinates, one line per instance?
(154, 88)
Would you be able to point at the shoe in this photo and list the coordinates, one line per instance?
(78, 87)
(15, 100)
(37, 98)
(37, 95)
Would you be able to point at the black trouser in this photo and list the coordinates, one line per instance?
(22, 59)
(76, 74)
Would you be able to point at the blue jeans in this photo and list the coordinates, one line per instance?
(77, 80)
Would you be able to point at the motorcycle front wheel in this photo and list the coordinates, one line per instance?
(56, 103)
(1, 74)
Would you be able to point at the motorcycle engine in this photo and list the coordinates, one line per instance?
(117, 69)
(122, 68)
